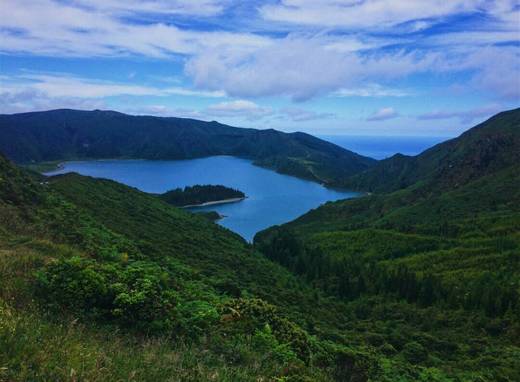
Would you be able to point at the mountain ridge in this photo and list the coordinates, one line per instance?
(66, 134)
(450, 163)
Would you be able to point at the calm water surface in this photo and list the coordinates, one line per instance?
(272, 198)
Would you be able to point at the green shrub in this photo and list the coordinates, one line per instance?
(265, 342)
(251, 315)
(387, 349)
(136, 294)
(414, 352)
(195, 317)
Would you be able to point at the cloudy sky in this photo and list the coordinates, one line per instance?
(356, 67)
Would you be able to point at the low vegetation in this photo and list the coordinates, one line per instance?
(82, 258)
(100, 281)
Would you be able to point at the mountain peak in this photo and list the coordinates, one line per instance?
(487, 147)
(74, 134)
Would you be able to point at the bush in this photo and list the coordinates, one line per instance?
(195, 317)
(251, 315)
(265, 342)
(136, 294)
(387, 349)
(414, 352)
(351, 366)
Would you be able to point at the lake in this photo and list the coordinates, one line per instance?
(272, 198)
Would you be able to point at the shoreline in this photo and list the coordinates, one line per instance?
(215, 202)
(59, 165)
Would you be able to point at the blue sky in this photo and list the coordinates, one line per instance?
(354, 67)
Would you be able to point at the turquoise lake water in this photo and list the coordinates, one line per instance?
(272, 198)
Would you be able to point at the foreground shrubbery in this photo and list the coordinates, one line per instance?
(145, 297)
(138, 294)
(34, 347)
(99, 321)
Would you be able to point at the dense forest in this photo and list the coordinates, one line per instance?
(418, 281)
(59, 135)
(199, 194)
(448, 244)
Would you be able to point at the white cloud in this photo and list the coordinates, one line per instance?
(302, 115)
(494, 71)
(473, 38)
(285, 68)
(311, 62)
(363, 13)
(70, 86)
(372, 90)
(53, 28)
(497, 71)
(465, 116)
(31, 91)
(168, 7)
(288, 68)
(383, 114)
(66, 85)
(30, 100)
(238, 108)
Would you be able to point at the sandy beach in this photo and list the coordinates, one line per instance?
(223, 201)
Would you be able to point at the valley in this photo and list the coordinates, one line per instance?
(272, 198)
(418, 280)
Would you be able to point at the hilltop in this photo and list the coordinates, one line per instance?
(482, 150)
(58, 135)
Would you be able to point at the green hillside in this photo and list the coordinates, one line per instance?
(72, 134)
(448, 244)
(103, 282)
(99, 281)
(481, 150)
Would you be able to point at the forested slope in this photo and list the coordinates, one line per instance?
(484, 149)
(58, 135)
(449, 242)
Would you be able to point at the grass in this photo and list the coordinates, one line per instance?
(43, 167)
(41, 345)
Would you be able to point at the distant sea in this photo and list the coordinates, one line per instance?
(384, 147)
